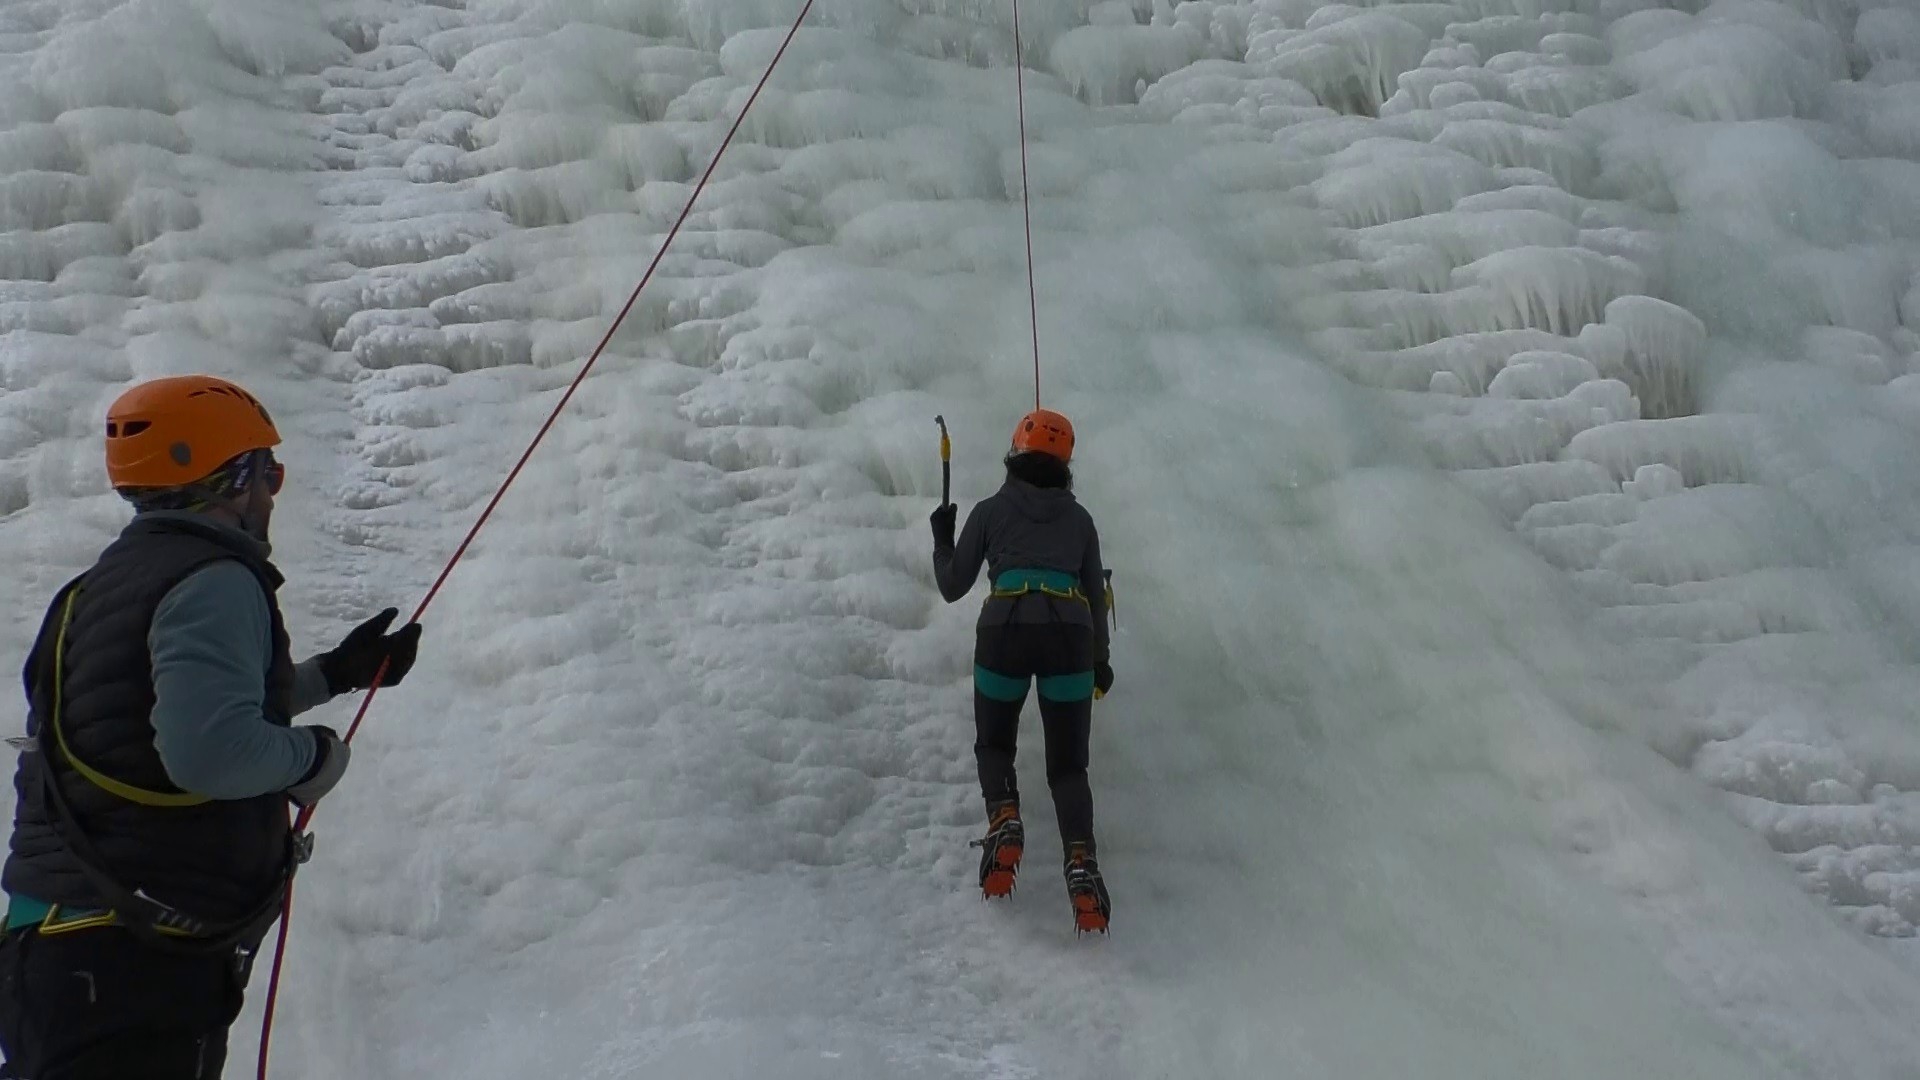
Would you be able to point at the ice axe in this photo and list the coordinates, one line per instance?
(946, 462)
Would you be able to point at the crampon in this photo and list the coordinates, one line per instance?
(1087, 892)
(1000, 851)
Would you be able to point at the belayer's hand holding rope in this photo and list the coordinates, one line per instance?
(367, 655)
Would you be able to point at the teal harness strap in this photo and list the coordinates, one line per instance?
(998, 687)
(1076, 687)
(26, 911)
(1054, 583)
(1063, 688)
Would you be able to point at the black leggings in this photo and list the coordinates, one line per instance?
(1022, 651)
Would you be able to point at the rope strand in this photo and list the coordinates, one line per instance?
(1026, 199)
(306, 814)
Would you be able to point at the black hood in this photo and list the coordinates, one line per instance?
(1037, 504)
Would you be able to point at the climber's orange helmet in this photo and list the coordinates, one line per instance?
(176, 431)
(1044, 431)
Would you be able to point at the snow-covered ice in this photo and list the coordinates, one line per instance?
(1502, 418)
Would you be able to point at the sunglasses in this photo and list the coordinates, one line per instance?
(274, 472)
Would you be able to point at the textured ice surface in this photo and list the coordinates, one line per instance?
(1501, 416)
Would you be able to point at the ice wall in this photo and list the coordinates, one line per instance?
(1500, 414)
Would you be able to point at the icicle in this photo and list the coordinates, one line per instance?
(1664, 347)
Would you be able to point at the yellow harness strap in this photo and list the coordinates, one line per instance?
(89, 773)
(59, 922)
(1025, 588)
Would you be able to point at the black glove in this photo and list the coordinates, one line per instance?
(1102, 678)
(943, 518)
(352, 663)
(330, 757)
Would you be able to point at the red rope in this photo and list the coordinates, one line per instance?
(1026, 200)
(306, 814)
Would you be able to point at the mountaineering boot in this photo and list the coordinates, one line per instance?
(1000, 850)
(1086, 891)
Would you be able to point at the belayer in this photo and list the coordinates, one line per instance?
(151, 844)
(1044, 620)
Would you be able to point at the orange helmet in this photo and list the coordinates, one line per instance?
(1046, 432)
(175, 431)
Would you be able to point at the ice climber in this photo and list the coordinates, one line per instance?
(1045, 619)
(151, 841)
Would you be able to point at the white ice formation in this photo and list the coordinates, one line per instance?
(1502, 415)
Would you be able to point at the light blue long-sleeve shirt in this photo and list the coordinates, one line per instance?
(212, 642)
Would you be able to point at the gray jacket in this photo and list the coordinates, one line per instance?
(1022, 527)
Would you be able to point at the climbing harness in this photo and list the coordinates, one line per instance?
(1013, 584)
(306, 814)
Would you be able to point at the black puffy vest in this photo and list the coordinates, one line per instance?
(217, 861)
